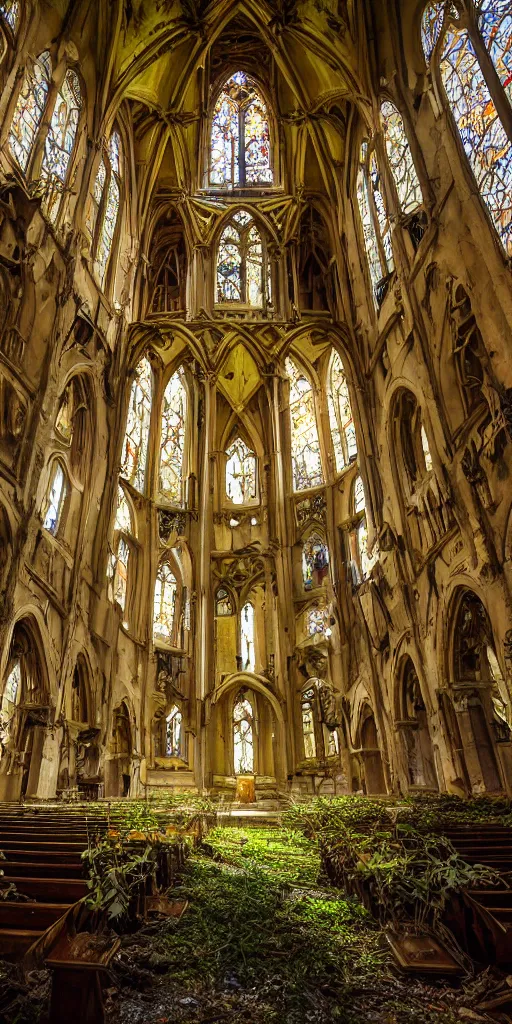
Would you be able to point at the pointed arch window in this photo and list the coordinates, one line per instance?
(343, 432)
(55, 500)
(358, 541)
(305, 443)
(223, 603)
(242, 266)
(118, 564)
(240, 473)
(474, 97)
(375, 222)
(240, 137)
(400, 159)
(105, 204)
(60, 141)
(164, 603)
(29, 108)
(308, 706)
(135, 446)
(315, 561)
(173, 726)
(247, 637)
(10, 11)
(243, 735)
(172, 439)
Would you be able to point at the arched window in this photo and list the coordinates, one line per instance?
(55, 499)
(118, 565)
(375, 223)
(343, 432)
(172, 439)
(12, 690)
(415, 454)
(471, 95)
(361, 561)
(135, 447)
(315, 561)
(104, 204)
(60, 140)
(173, 723)
(247, 637)
(400, 159)
(240, 473)
(308, 706)
(305, 443)
(223, 603)
(10, 11)
(240, 139)
(73, 424)
(315, 621)
(241, 263)
(164, 603)
(243, 735)
(29, 109)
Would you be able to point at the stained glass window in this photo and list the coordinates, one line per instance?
(64, 420)
(164, 603)
(223, 604)
(482, 134)
(10, 10)
(431, 25)
(495, 24)
(60, 140)
(240, 263)
(135, 447)
(55, 500)
(118, 565)
(172, 439)
(305, 443)
(315, 621)
(243, 738)
(12, 689)
(247, 637)
(123, 520)
(104, 204)
(308, 724)
(400, 159)
(374, 220)
(173, 724)
(240, 473)
(240, 139)
(361, 561)
(343, 432)
(358, 495)
(315, 561)
(29, 108)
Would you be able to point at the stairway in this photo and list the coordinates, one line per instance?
(43, 848)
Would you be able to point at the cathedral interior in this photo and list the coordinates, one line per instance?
(255, 509)
(255, 398)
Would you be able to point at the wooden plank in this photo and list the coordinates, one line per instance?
(51, 890)
(29, 915)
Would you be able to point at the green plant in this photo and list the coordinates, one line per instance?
(117, 874)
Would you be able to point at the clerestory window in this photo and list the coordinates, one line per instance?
(240, 137)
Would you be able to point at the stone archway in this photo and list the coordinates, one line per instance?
(373, 771)
(24, 714)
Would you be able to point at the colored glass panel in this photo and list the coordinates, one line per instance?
(10, 9)
(29, 109)
(340, 414)
(240, 262)
(380, 212)
(120, 585)
(60, 141)
(240, 473)
(135, 448)
(240, 138)
(495, 24)
(56, 498)
(369, 233)
(485, 141)
(308, 724)
(315, 561)
(305, 443)
(431, 25)
(12, 689)
(223, 604)
(316, 621)
(247, 638)
(243, 741)
(400, 159)
(173, 724)
(172, 439)
(164, 602)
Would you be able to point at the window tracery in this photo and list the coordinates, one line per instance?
(172, 439)
(240, 138)
(60, 141)
(305, 442)
(29, 108)
(343, 432)
(135, 447)
(164, 603)
(241, 263)
(105, 204)
(243, 735)
(240, 473)
(374, 220)
(400, 159)
(471, 100)
(247, 637)
(173, 725)
(55, 500)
